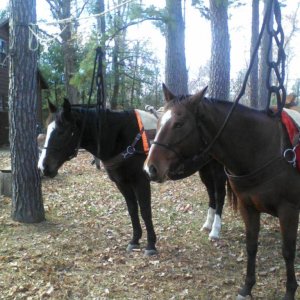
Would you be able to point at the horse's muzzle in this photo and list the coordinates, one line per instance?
(47, 172)
(152, 174)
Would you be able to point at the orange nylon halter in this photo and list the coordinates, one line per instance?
(144, 136)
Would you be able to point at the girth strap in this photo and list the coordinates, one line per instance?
(130, 150)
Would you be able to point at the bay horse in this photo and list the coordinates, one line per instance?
(76, 126)
(214, 178)
(251, 148)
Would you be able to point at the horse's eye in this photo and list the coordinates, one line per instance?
(178, 125)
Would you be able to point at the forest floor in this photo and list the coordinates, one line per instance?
(79, 252)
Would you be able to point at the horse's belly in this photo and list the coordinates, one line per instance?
(270, 198)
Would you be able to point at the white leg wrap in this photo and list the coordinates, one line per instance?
(240, 297)
(209, 219)
(216, 228)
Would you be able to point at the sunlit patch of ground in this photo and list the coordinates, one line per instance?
(80, 251)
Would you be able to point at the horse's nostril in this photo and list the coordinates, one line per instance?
(152, 172)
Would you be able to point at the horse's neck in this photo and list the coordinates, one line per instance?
(250, 138)
(109, 139)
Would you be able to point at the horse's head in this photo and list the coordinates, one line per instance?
(177, 136)
(61, 141)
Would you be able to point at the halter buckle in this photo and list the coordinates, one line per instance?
(129, 151)
(290, 156)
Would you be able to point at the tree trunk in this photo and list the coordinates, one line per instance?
(254, 38)
(263, 67)
(69, 51)
(27, 204)
(176, 75)
(219, 81)
(62, 10)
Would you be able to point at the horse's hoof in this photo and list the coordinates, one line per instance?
(150, 252)
(206, 228)
(213, 238)
(240, 297)
(132, 247)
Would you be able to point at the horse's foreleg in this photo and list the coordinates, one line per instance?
(143, 195)
(207, 226)
(206, 177)
(289, 218)
(219, 196)
(132, 206)
(251, 219)
(214, 178)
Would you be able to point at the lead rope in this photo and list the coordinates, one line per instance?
(100, 91)
(101, 103)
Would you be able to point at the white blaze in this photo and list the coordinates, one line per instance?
(164, 119)
(50, 128)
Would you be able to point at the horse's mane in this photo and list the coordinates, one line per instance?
(177, 101)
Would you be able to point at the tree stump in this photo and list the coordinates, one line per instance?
(5, 183)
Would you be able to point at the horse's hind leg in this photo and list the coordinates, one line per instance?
(143, 195)
(251, 219)
(289, 218)
(132, 206)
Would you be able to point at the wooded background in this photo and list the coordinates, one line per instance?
(132, 71)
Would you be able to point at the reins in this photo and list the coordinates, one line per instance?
(204, 157)
(271, 65)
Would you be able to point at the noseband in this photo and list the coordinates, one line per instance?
(170, 147)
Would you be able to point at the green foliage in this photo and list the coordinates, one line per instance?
(130, 65)
(296, 88)
(83, 78)
(205, 11)
(4, 14)
(52, 67)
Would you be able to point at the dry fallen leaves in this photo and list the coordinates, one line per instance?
(79, 252)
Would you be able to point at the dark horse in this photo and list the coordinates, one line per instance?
(75, 127)
(251, 148)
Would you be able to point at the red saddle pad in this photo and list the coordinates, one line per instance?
(293, 133)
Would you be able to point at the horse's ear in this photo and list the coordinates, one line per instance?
(200, 95)
(66, 105)
(167, 93)
(52, 107)
(66, 108)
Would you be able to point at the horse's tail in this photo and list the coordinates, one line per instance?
(231, 196)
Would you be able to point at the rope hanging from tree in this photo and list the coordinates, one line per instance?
(276, 67)
(101, 103)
